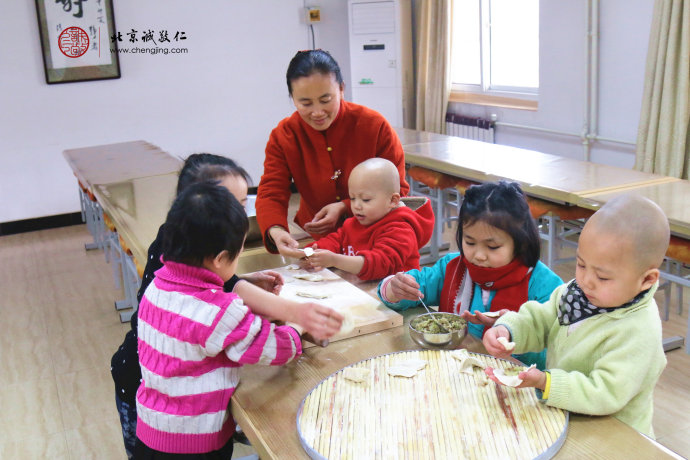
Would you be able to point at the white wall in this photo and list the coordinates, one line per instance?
(624, 34)
(332, 35)
(229, 91)
(224, 96)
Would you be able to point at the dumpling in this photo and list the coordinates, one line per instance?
(509, 346)
(467, 362)
(311, 295)
(407, 368)
(356, 374)
(510, 380)
(308, 277)
(402, 371)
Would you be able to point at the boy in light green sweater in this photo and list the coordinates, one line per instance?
(602, 330)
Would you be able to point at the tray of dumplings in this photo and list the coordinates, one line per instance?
(428, 404)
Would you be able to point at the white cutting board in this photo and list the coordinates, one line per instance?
(368, 313)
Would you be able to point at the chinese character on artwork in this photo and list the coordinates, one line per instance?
(133, 36)
(116, 37)
(94, 43)
(148, 37)
(180, 36)
(68, 4)
(163, 36)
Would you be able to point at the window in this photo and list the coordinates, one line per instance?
(495, 48)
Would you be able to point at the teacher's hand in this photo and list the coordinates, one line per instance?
(286, 244)
(326, 219)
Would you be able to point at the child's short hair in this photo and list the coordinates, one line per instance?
(502, 205)
(383, 174)
(204, 220)
(209, 167)
(638, 221)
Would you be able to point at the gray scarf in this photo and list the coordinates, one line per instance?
(574, 305)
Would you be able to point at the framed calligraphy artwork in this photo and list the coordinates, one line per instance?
(75, 39)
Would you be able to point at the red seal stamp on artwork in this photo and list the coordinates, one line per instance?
(73, 42)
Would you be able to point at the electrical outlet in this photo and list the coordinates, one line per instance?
(313, 15)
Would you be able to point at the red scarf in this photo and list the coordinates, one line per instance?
(511, 283)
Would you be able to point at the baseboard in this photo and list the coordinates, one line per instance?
(40, 223)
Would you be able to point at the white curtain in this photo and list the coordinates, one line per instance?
(663, 137)
(433, 39)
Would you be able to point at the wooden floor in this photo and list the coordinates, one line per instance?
(61, 329)
(56, 393)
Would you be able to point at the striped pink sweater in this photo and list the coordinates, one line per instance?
(193, 338)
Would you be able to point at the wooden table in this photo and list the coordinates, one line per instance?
(585, 184)
(551, 177)
(412, 136)
(105, 164)
(672, 197)
(266, 402)
(138, 207)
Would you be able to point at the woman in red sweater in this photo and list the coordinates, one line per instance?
(317, 147)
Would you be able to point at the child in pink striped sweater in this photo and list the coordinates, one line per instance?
(194, 337)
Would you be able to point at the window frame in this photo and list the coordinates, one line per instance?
(485, 93)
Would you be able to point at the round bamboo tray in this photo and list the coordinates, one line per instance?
(439, 413)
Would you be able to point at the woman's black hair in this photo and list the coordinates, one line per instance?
(502, 205)
(208, 167)
(309, 62)
(204, 220)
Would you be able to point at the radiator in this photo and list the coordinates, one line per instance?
(478, 129)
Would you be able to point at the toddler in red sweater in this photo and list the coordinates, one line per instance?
(385, 233)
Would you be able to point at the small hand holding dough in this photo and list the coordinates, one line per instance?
(509, 380)
(308, 252)
(509, 346)
(492, 314)
(356, 374)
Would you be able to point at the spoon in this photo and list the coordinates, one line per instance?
(433, 317)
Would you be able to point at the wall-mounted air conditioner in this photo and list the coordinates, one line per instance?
(381, 58)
